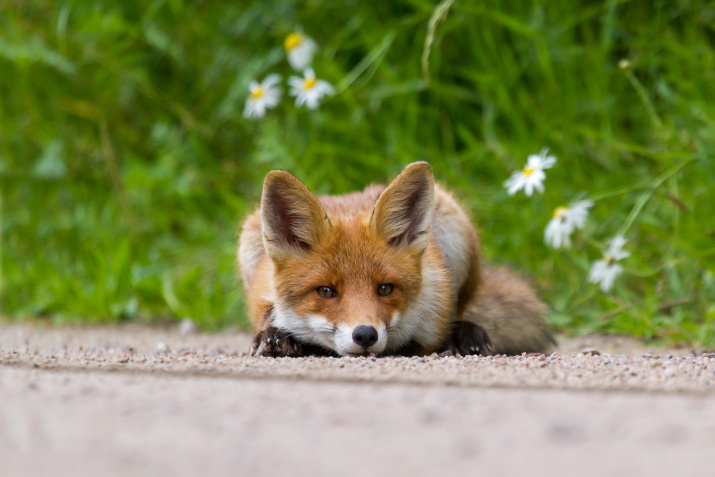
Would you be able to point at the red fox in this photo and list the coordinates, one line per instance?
(387, 271)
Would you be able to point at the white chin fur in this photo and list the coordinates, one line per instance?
(312, 329)
(316, 329)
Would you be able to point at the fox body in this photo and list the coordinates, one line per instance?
(390, 270)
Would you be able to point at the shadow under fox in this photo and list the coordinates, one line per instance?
(387, 271)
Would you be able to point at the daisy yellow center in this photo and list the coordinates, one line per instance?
(528, 170)
(308, 83)
(292, 40)
(560, 212)
(608, 258)
(257, 93)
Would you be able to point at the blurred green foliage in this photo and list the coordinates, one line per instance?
(126, 164)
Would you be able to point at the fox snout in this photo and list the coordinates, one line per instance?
(361, 339)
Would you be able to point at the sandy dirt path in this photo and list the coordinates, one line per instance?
(133, 401)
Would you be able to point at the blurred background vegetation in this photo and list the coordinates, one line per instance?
(126, 164)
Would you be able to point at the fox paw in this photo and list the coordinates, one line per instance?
(468, 338)
(275, 343)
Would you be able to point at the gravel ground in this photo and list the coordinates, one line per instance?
(137, 401)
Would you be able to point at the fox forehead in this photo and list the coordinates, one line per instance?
(351, 256)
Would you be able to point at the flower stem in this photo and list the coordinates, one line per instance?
(635, 211)
(673, 243)
(439, 14)
(643, 199)
(614, 193)
(643, 96)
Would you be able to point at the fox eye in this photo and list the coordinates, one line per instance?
(326, 292)
(384, 289)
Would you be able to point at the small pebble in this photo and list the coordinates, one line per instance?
(591, 351)
(187, 327)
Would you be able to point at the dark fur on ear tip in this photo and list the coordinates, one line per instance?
(279, 176)
(415, 169)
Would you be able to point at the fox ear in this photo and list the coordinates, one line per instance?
(403, 212)
(292, 218)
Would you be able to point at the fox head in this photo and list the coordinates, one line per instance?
(348, 278)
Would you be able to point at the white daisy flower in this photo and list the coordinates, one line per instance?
(265, 95)
(564, 222)
(532, 176)
(308, 90)
(300, 50)
(605, 271)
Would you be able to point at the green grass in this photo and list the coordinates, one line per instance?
(126, 164)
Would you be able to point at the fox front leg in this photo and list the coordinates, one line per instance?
(276, 343)
(467, 338)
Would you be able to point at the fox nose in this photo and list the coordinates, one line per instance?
(365, 336)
